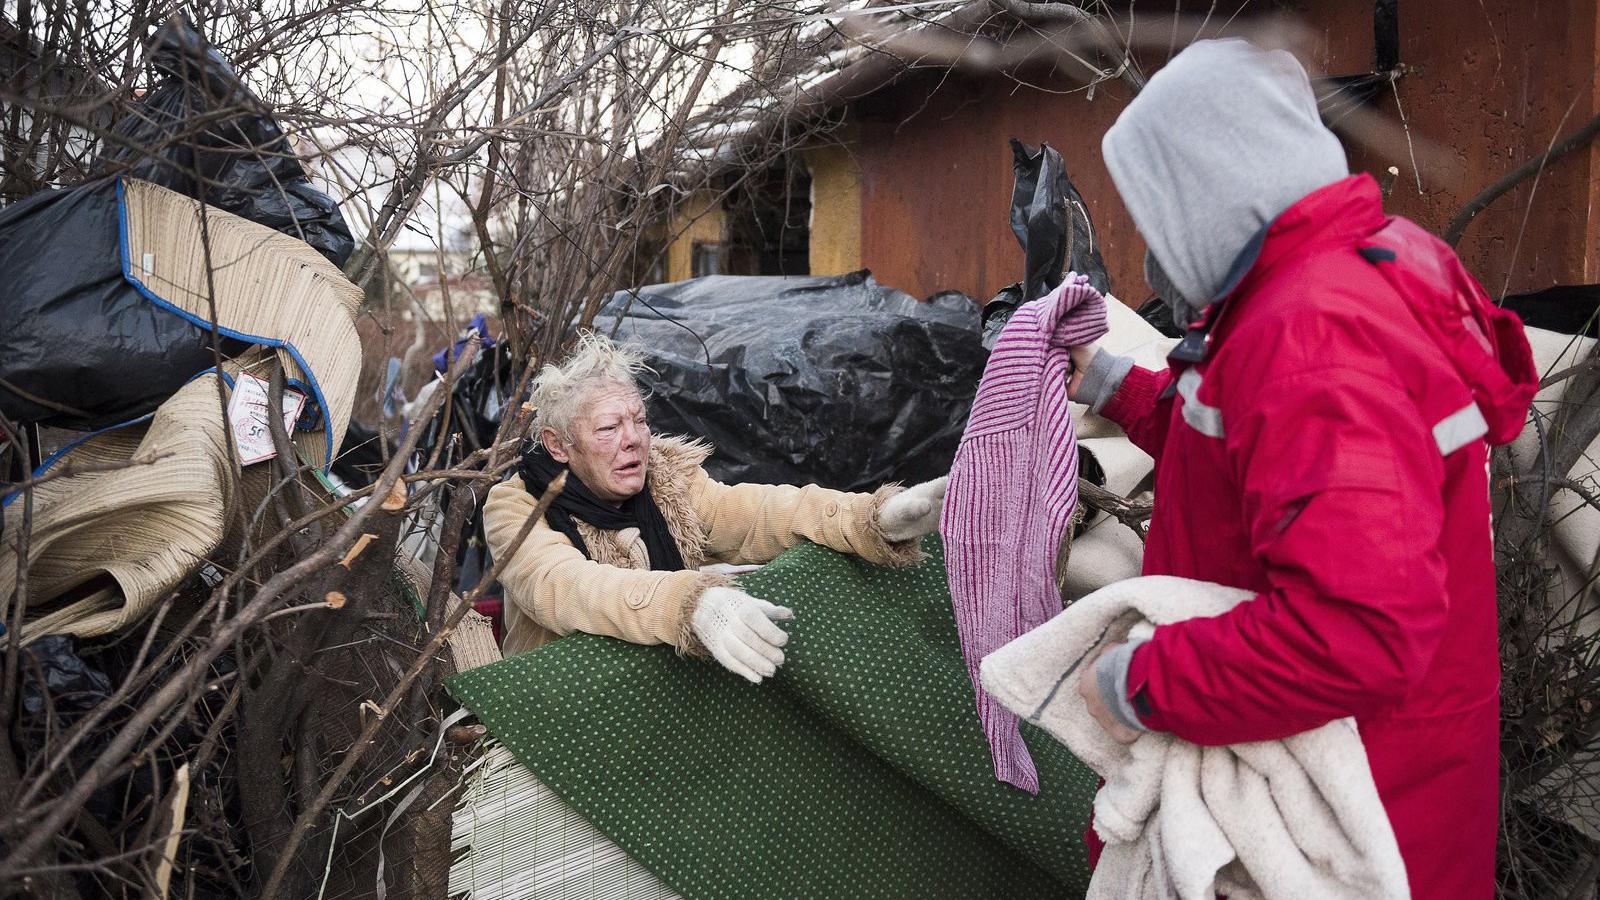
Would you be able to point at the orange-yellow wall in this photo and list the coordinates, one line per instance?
(698, 218)
(835, 206)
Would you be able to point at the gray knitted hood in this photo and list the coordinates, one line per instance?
(1220, 142)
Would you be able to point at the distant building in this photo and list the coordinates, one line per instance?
(466, 286)
(910, 175)
(41, 76)
(415, 273)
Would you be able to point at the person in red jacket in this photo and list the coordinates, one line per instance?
(1321, 437)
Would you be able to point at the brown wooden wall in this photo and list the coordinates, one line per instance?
(1490, 83)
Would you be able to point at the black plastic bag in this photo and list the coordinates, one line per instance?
(831, 380)
(80, 347)
(201, 119)
(71, 683)
(1039, 215)
(1051, 222)
(1158, 313)
(362, 455)
(1565, 308)
(997, 312)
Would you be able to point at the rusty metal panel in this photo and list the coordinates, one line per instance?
(1489, 90)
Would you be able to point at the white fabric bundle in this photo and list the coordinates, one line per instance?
(1293, 819)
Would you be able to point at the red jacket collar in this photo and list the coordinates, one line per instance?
(1340, 213)
(1343, 212)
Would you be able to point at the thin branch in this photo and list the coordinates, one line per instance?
(1070, 14)
(1132, 513)
(308, 817)
(1574, 141)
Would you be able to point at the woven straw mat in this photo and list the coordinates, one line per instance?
(133, 534)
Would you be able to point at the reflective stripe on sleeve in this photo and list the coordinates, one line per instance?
(1202, 418)
(1460, 428)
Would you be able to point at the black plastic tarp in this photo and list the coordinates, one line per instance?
(74, 334)
(200, 131)
(831, 380)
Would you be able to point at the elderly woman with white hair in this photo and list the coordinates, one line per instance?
(620, 551)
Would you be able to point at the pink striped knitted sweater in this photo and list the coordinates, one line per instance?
(1012, 491)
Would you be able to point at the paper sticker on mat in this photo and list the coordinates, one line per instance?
(247, 412)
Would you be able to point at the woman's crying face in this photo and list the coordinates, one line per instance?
(610, 442)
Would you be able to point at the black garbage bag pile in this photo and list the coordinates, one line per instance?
(831, 380)
(80, 347)
(238, 160)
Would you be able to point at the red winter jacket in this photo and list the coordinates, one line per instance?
(1330, 452)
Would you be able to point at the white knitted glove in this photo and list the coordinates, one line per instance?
(913, 512)
(737, 628)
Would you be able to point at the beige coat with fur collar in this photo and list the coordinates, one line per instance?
(551, 589)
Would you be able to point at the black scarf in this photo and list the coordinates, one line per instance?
(539, 468)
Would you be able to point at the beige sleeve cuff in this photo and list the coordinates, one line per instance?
(687, 642)
(867, 536)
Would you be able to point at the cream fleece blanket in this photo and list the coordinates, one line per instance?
(1293, 819)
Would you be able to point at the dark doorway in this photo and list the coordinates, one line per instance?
(769, 222)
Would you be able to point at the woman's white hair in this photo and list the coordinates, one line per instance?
(559, 390)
